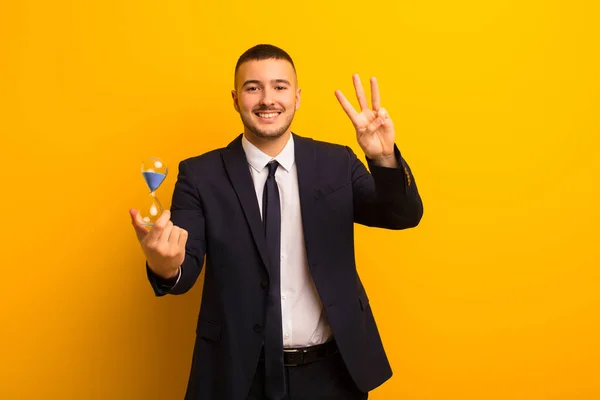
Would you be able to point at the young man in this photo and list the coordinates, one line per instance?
(284, 314)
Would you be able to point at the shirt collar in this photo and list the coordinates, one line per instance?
(259, 160)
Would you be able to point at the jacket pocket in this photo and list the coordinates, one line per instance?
(209, 330)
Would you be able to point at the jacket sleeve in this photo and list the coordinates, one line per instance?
(186, 213)
(386, 197)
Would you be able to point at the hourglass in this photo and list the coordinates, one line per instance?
(154, 172)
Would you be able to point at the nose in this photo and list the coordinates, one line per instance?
(267, 98)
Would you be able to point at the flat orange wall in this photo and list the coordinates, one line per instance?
(495, 296)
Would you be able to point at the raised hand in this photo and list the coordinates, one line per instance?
(374, 128)
(163, 245)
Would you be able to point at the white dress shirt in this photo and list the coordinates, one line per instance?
(303, 317)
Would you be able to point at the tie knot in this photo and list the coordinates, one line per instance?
(272, 168)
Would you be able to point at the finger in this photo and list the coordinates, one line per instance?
(136, 220)
(182, 239)
(375, 94)
(375, 124)
(346, 105)
(166, 232)
(159, 226)
(360, 93)
(383, 114)
(174, 236)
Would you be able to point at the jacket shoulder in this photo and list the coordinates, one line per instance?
(204, 160)
(334, 153)
(330, 148)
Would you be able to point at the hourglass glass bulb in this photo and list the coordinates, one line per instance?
(154, 172)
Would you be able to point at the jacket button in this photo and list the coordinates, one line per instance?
(264, 285)
(258, 328)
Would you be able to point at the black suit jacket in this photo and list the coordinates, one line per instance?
(215, 201)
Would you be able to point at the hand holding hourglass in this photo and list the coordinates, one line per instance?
(162, 242)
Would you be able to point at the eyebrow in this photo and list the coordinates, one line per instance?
(257, 82)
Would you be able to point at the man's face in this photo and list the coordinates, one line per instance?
(266, 96)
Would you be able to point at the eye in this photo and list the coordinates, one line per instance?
(251, 88)
(280, 87)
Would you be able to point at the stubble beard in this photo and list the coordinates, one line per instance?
(267, 135)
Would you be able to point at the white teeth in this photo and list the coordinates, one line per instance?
(268, 115)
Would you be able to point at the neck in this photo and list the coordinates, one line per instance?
(271, 147)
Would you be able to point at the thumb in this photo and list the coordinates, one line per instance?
(136, 220)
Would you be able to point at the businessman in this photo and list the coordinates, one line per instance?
(284, 314)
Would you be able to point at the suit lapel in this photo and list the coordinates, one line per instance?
(306, 165)
(237, 168)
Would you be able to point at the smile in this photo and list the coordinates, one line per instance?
(267, 116)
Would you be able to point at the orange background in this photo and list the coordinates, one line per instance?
(496, 295)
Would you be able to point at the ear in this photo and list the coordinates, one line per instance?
(298, 93)
(235, 100)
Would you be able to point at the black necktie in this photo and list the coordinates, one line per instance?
(274, 372)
